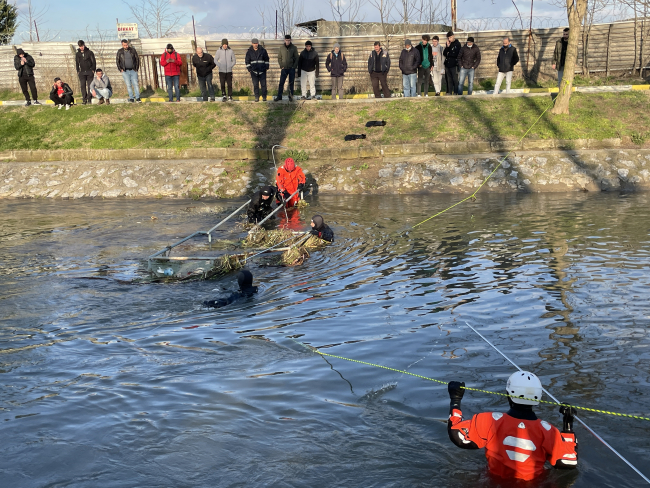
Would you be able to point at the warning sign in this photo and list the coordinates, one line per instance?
(127, 31)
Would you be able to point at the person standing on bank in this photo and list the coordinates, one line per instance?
(61, 94)
(378, 67)
(24, 64)
(409, 61)
(426, 65)
(101, 87)
(226, 61)
(438, 65)
(204, 64)
(85, 64)
(308, 70)
(171, 61)
(128, 62)
(506, 61)
(469, 58)
(337, 65)
(559, 55)
(451, 52)
(257, 64)
(288, 61)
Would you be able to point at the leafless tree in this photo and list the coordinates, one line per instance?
(290, 12)
(595, 11)
(385, 10)
(346, 10)
(431, 12)
(33, 18)
(157, 17)
(261, 10)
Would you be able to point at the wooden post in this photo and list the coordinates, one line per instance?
(609, 33)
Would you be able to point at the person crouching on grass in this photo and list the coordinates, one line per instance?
(101, 87)
(61, 94)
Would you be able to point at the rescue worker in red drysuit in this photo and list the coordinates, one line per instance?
(516, 443)
(290, 178)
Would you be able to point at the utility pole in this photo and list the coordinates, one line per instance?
(276, 24)
(194, 28)
(454, 16)
(38, 39)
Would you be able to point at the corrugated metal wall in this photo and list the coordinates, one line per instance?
(617, 39)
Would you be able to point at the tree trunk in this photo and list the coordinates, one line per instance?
(575, 12)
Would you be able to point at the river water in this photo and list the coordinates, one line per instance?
(106, 383)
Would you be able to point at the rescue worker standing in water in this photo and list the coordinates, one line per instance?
(260, 205)
(516, 443)
(290, 178)
(320, 229)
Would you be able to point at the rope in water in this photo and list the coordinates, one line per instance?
(473, 195)
(607, 412)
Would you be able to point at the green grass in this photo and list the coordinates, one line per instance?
(313, 125)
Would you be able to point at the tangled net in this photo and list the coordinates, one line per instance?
(267, 238)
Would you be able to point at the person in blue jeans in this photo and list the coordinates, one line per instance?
(172, 62)
(468, 59)
(409, 61)
(128, 63)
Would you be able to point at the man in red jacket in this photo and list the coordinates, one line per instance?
(290, 178)
(517, 443)
(172, 63)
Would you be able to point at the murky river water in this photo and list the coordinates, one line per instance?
(109, 384)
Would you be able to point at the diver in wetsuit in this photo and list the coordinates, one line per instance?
(260, 205)
(321, 229)
(246, 289)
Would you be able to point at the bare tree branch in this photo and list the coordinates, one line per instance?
(157, 17)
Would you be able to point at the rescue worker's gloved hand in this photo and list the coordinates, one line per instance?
(301, 186)
(456, 392)
(286, 194)
(568, 411)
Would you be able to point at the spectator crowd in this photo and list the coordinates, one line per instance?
(426, 64)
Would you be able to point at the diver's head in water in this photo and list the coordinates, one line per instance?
(267, 192)
(245, 280)
(317, 222)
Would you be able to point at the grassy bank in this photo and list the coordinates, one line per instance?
(312, 125)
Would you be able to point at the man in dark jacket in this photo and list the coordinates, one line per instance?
(308, 70)
(469, 58)
(451, 52)
(246, 290)
(257, 64)
(378, 67)
(559, 55)
(337, 65)
(288, 61)
(61, 94)
(204, 64)
(320, 229)
(85, 64)
(260, 205)
(506, 61)
(409, 61)
(426, 64)
(128, 63)
(24, 64)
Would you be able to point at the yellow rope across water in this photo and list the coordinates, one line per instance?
(606, 412)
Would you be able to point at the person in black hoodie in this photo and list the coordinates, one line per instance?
(260, 205)
(451, 52)
(257, 63)
(308, 70)
(24, 64)
(246, 290)
(61, 94)
(320, 229)
(204, 64)
(86, 64)
(506, 61)
(337, 65)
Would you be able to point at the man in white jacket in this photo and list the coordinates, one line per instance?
(226, 61)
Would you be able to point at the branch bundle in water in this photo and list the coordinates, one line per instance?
(226, 264)
(296, 255)
(267, 238)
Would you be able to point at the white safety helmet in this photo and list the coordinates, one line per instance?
(523, 384)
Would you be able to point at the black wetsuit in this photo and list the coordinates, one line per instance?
(259, 208)
(321, 229)
(246, 290)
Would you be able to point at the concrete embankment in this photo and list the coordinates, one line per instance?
(535, 166)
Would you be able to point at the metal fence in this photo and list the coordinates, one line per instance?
(617, 47)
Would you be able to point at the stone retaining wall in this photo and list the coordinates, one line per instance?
(523, 171)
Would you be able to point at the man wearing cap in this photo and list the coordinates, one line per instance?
(128, 63)
(288, 62)
(426, 65)
(337, 65)
(409, 61)
(24, 64)
(260, 205)
(85, 64)
(172, 62)
(378, 67)
(308, 70)
(257, 63)
(226, 61)
(204, 64)
(469, 58)
(451, 52)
